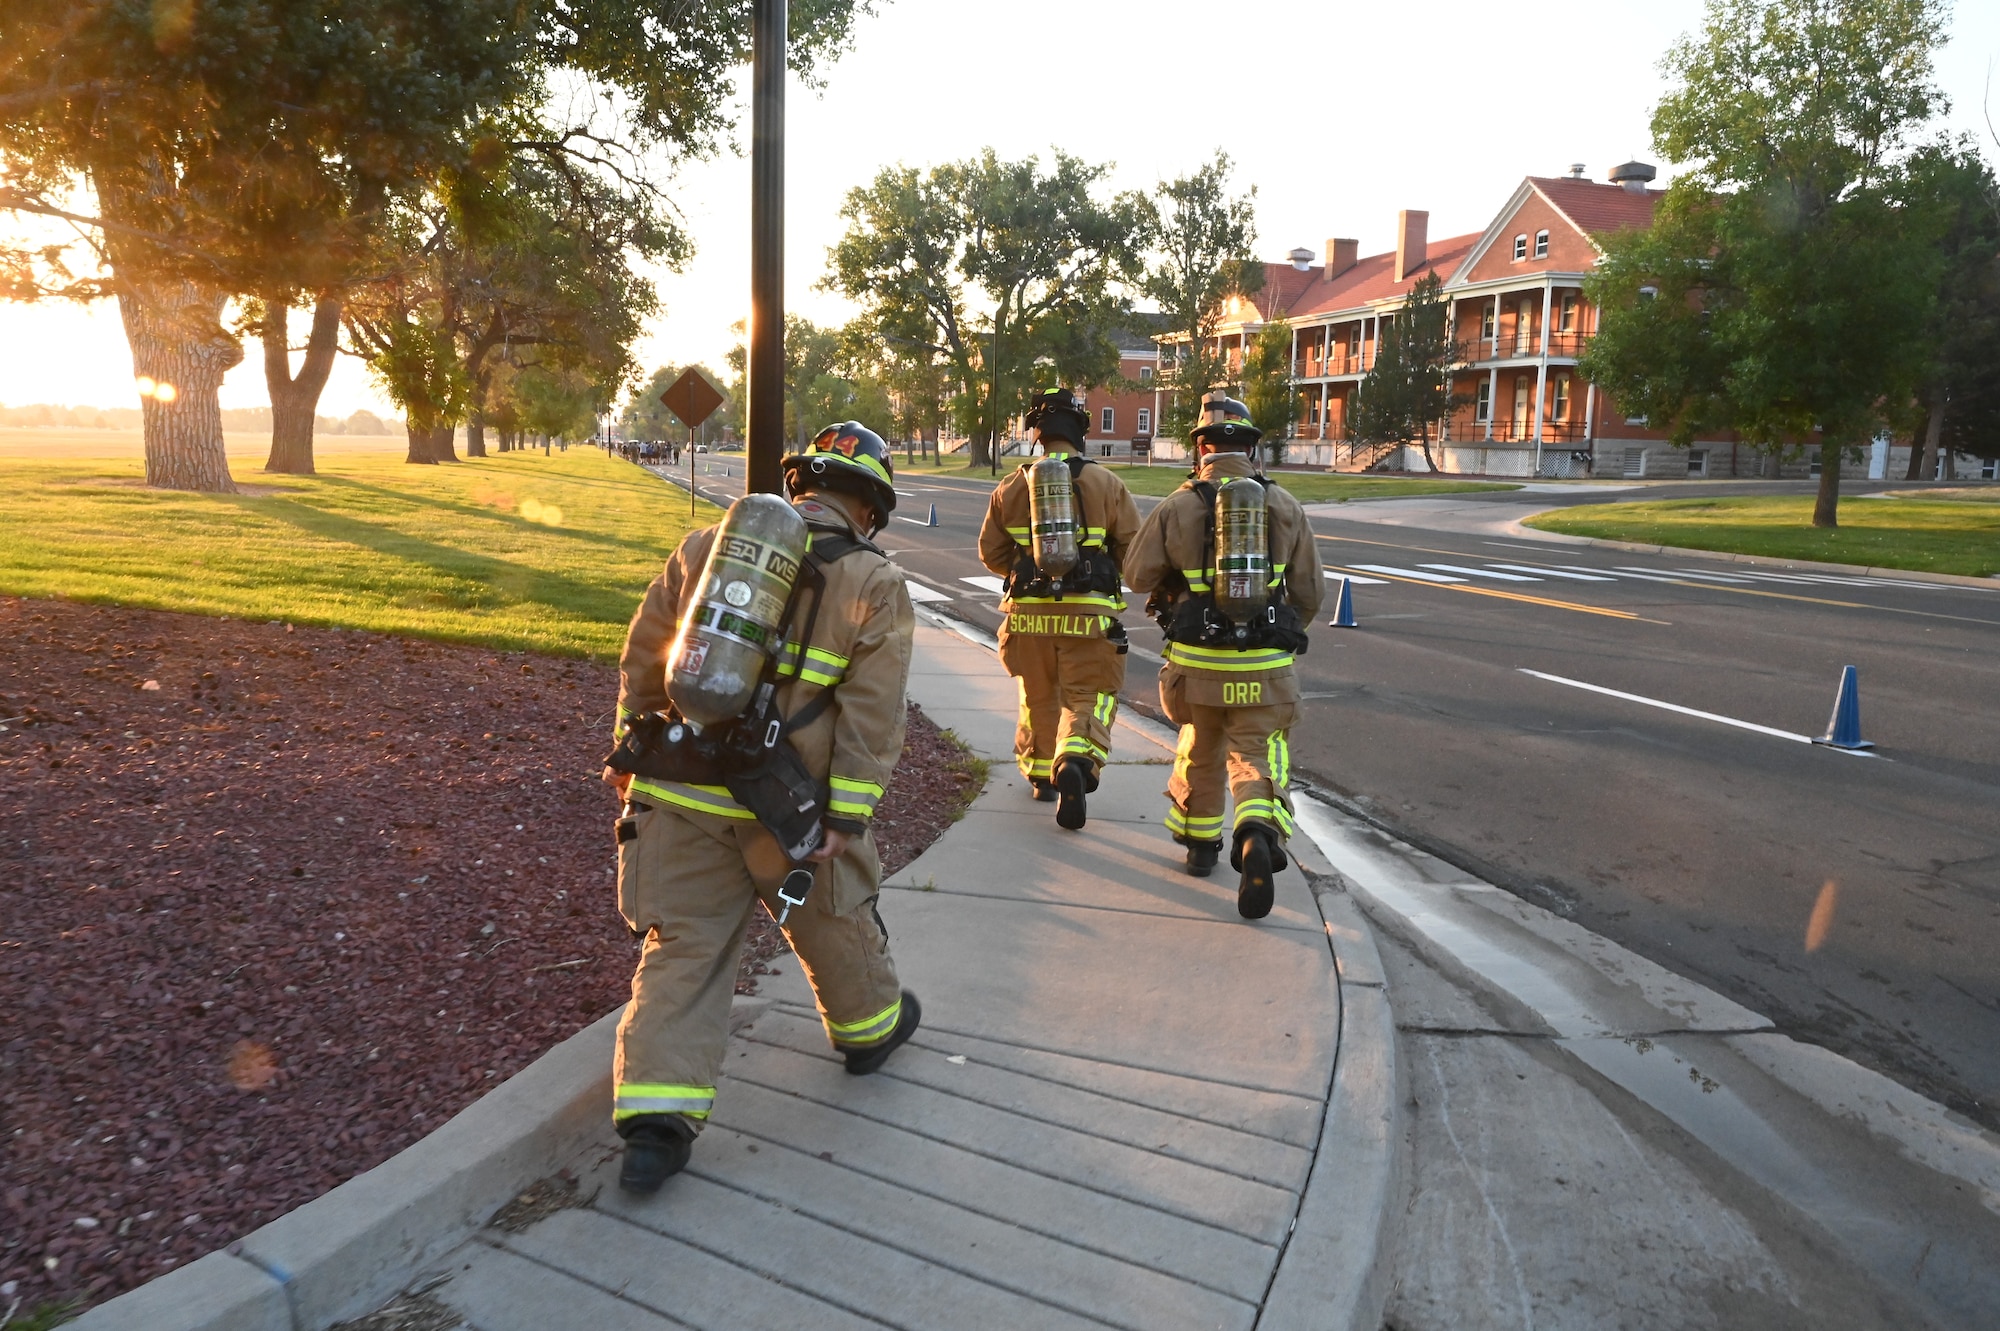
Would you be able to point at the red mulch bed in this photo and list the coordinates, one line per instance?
(266, 924)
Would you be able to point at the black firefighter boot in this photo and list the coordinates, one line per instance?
(656, 1149)
(1260, 857)
(1044, 791)
(1073, 783)
(867, 1058)
(1201, 857)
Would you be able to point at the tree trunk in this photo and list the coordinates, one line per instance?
(1915, 471)
(1933, 431)
(178, 342)
(420, 442)
(475, 424)
(441, 444)
(1826, 507)
(295, 400)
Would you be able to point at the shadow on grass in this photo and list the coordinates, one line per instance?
(485, 512)
(511, 581)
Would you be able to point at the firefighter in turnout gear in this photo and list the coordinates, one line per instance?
(693, 860)
(1057, 530)
(1234, 576)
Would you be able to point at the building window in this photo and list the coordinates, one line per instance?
(1487, 318)
(1648, 293)
(1520, 248)
(1697, 462)
(1106, 416)
(1635, 462)
(1560, 407)
(1145, 373)
(1482, 402)
(1541, 244)
(1145, 420)
(1524, 326)
(1569, 309)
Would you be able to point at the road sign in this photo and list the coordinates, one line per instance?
(692, 398)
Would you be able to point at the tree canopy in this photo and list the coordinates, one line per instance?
(1785, 287)
(1406, 392)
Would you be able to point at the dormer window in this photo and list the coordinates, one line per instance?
(1520, 248)
(1541, 244)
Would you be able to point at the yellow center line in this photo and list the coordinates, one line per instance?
(1508, 596)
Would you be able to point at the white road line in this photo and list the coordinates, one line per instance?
(1395, 572)
(986, 582)
(1630, 573)
(1480, 572)
(1684, 711)
(1705, 577)
(1556, 573)
(920, 593)
(1336, 574)
(1769, 577)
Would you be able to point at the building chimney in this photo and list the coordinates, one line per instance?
(1341, 255)
(1411, 227)
(1302, 258)
(1634, 176)
(1576, 170)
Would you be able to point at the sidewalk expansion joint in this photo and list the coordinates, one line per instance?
(1140, 1202)
(960, 1271)
(1109, 910)
(964, 1098)
(918, 1043)
(728, 1259)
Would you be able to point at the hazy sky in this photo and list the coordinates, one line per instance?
(1339, 113)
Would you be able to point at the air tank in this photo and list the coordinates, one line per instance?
(735, 624)
(1052, 516)
(1242, 549)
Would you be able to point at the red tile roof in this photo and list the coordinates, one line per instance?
(1291, 294)
(1592, 207)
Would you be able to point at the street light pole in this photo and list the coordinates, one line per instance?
(993, 450)
(765, 389)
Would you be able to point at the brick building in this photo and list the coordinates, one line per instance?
(1124, 415)
(1521, 319)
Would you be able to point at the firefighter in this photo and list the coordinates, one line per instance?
(1057, 530)
(1234, 575)
(693, 861)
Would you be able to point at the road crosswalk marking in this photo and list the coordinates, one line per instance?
(1480, 572)
(1705, 577)
(1337, 574)
(921, 594)
(1395, 572)
(986, 582)
(1556, 573)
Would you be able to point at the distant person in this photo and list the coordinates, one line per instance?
(1060, 634)
(1234, 574)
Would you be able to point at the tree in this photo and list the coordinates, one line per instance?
(250, 148)
(1959, 407)
(1785, 287)
(1038, 250)
(1267, 387)
(1200, 230)
(1406, 394)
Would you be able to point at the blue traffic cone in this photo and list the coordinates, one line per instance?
(1844, 730)
(1343, 607)
(933, 521)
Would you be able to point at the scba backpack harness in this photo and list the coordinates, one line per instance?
(749, 757)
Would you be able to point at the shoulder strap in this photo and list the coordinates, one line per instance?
(1077, 462)
(830, 545)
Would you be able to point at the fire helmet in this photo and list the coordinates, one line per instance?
(1226, 423)
(848, 457)
(1056, 415)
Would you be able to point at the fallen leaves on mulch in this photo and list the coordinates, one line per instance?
(275, 917)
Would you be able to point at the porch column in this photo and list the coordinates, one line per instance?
(1542, 371)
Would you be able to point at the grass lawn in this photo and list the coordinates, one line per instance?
(517, 551)
(1955, 534)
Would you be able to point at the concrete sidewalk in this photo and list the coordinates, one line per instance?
(1111, 1116)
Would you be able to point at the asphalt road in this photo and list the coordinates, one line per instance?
(1700, 844)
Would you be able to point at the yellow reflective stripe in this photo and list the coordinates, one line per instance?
(1078, 744)
(1278, 757)
(1035, 767)
(869, 1029)
(1277, 574)
(1106, 710)
(1205, 829)
(702, 799)
(1210, 658)
(1266, 811)
(1090, 601)
(647, 1097)
(858, 798)
(868, 788)
(1021, 534)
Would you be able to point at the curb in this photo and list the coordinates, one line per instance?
(1767, 561)
(344, 1254)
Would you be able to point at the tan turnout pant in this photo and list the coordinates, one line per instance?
(1069, 698)
(689, 881)
(1240, 753)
